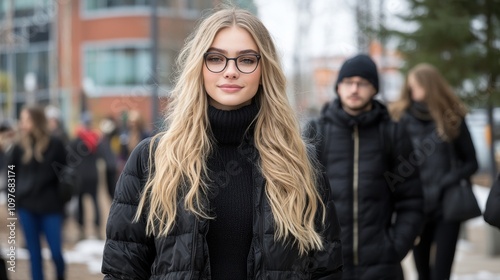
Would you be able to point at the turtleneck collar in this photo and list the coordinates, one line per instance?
(229, 127)
(420, 111)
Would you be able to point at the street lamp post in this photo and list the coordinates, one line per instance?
(154, 65)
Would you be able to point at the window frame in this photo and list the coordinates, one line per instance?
(140, 89)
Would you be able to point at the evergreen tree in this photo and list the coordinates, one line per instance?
(461, 38)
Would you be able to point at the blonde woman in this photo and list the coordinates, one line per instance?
(228, 191)
(434, 118)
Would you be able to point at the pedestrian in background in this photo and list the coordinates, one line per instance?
(109, 147)
(55, 123)
(85, 146)
(435, 119)
(229, 190)
(361, 149)
(134, 132)
(36, 158)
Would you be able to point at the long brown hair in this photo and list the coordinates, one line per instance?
(445, 108)
(36, 142)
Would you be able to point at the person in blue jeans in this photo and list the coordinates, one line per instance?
(36, 159)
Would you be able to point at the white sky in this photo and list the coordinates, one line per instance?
(332, 26)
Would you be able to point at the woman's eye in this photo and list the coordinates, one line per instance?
(215, 58)
(247, 60)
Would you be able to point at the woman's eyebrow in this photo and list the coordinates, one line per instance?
(212, 49)
(248, 51)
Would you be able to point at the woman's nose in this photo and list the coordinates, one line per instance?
(231, 71)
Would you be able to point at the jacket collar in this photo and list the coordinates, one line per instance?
(333, 112)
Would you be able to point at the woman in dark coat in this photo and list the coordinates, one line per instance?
(443, 150)
(36, 161)
(228, 191)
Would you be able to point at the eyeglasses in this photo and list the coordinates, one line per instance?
(245, 63)
(360, 84)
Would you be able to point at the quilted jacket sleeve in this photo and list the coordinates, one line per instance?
(404, 180)
(128, 251)
(328, 263)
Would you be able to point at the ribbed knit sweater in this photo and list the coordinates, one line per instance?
(230, 233)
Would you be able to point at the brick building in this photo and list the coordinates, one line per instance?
(89, 54)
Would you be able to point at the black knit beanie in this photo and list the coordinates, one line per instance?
(360, 65)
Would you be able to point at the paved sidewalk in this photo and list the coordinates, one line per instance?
(472, 261)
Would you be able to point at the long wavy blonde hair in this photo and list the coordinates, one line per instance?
(180, 152)
(445, 108)
(37, 140)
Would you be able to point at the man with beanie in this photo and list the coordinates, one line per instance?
(376, 188)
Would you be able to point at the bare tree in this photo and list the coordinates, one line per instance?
(304, 14)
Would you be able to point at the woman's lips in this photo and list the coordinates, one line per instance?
(230, 88)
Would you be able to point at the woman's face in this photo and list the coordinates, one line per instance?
(25, 122)
(416, 89)
(231, 89)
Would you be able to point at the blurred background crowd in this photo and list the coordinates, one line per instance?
(102, 70)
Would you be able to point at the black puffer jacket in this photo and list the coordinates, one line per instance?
(379, 201)
(434, 158)
(183, 254)
(37, 182)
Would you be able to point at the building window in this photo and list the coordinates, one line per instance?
(91, 5)
(166, 3)
(3, 62)
(198, 5)
(32, 33)
(117, 67)
(36, 62)
(26, 8)
(3, 8)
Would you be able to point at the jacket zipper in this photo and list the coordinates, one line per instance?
(355, 229)
(193, 253)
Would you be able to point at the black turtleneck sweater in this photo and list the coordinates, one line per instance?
(230, 233)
